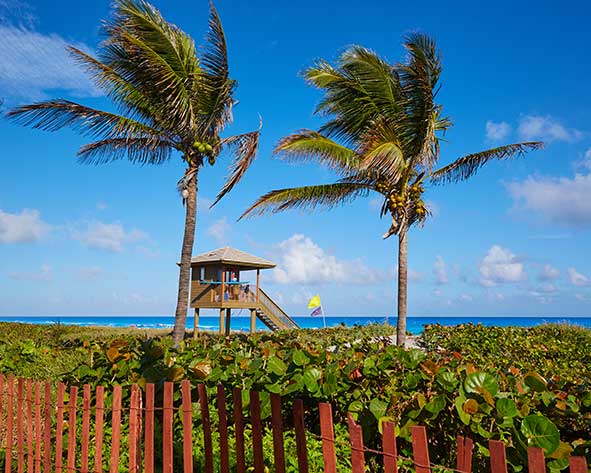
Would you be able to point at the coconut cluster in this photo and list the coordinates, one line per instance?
(205, 149)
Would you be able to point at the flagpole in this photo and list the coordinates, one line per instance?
(323, 315)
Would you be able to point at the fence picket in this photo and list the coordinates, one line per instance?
(149, 432)
(257, 431)
(389, 447)
(167, 428)
(535, 460)
(116, 428)
(277, 425)
(187, 427)
(498, 457)
(420, 449)
(20, 397)
(300, 435)
(206, 422)
(47, 428)
(59, 427)
(85, 428)
(223, 430)
(464, 454)
(356, 440)
(71, 458)
(577, 465)
(329, 457)
(238, 430)
(9, 423)
(30, 424)
(99, 415)
(37, 468)
(134, 405)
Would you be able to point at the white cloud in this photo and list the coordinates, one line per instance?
(546, 128)
(89, 273)
(582, 297)
(578, 279)
(44, 274)
(440, 271)
(108, 236)
(548, 288)
(219, 230)
(500, 266)
(33, 64)
(301, 261)
(497, 131)
(559, 200)
(466, 298)
(23, 227)
(101, 206)
(549, 273)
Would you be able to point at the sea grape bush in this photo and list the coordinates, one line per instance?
(472, 389)
(524, 386)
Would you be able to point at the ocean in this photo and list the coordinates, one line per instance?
(241, 322)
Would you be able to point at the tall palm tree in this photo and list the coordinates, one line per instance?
(382, 134)
(168, 99)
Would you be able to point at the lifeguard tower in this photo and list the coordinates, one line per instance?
(219, 281)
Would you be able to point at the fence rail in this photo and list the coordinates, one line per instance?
(45, 430)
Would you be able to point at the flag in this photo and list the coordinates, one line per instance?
(314, 302)
(317, 311)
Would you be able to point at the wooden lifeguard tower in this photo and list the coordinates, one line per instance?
(218, 282)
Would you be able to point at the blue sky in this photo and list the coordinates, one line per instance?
(514, 240)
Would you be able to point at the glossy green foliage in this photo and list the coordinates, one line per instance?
(454, 386)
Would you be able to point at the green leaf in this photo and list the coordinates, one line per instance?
(355, 406)
(506, 407)
(541, 432)
(300, 358)
(535, 382)
(481, 383)
(378, 408)
(436, 405)
(276, 366)
(311, 378)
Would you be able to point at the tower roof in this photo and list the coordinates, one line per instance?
(231, 256)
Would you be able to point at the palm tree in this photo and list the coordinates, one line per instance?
(382, 134)
(168, 99)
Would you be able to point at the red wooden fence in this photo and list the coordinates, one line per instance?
(32, 433)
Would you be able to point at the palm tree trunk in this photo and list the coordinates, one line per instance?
(180, 320)
(402, 288)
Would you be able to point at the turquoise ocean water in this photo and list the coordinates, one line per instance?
(241, 322)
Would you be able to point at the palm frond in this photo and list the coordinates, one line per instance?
(52, 115)
(136, 150)
(244, 147)
(419, 78)
(129, 98)
(214, 93)
(307, 198)
(360, 89)
(465, 167)
(155, 56)
(307, 145)
(386, 160)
